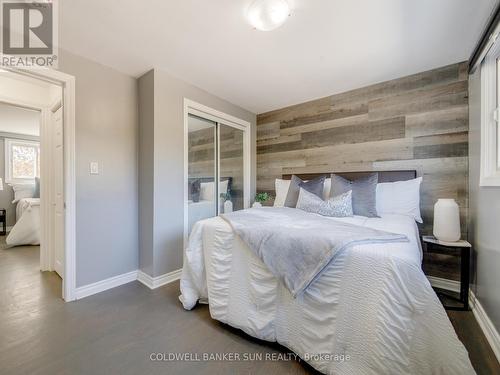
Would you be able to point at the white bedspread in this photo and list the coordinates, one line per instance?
(297, 246)
(199, 210)
(373, 304)
(26, 231)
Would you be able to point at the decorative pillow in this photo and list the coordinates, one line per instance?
(23, 190)
(207, 190)
(223, 185)
(281, 187)
(195, 190)
(364, 193)
(339, 206)
(401, 197)
(313, 186)
(36, 194)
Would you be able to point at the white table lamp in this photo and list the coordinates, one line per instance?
(1, 184)
(446, 220)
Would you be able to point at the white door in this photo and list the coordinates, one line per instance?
(58, 193)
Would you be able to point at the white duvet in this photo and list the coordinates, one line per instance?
(372, 311)
(26, 231)
(199, 210)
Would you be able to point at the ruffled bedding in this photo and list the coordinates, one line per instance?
(372, 311)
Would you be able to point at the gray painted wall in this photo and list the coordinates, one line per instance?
(146, 172)
(484, 215)
(168, 141)
(106, 204)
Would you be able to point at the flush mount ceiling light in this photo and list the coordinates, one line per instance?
(266, 15)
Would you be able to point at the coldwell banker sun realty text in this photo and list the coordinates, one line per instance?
(29, 33)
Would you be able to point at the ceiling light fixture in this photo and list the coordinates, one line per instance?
(266, 15)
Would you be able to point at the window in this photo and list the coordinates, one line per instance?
(490, 118)
(22, 160)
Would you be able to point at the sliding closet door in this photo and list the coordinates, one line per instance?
(202, 169)
(231, 167)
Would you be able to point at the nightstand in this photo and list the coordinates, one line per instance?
(433, 245)
(3, 221)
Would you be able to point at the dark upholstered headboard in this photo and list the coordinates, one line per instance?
(383, 176)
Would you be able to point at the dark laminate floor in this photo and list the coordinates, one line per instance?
(482, 357)
(114, 332)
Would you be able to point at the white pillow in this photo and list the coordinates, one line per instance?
(23, 190)
(401, 197)
(207, 190)
(281, 187)
(223, 187)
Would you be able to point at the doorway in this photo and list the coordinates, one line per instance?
(52, 223)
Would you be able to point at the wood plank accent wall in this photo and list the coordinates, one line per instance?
(201, 158)
(417, 122)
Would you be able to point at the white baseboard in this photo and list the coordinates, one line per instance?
(485, 323)
(445, 284)
(113, 282)
(482, 318)
(101, 286)
(155, 282)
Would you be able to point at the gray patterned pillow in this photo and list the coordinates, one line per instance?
(339, 206)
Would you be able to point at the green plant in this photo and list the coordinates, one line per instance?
(262, 197)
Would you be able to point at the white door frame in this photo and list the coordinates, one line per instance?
(200, 110)
(50, 196)
(68, 84)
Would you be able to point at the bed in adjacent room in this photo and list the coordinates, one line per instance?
(367, 308)
(26, 231)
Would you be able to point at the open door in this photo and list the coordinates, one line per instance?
(58, 192)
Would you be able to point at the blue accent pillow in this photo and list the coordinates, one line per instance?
(195, 190)
(36, 193)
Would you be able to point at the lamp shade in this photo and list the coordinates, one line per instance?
(446, 220)
(1, 184)
(266, 15)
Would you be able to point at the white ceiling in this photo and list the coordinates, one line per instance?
(19, 120)
(326, 46)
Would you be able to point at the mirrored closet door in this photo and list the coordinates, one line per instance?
(216, 169)
(231, 167)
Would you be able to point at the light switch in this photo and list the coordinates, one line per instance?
(94, 167)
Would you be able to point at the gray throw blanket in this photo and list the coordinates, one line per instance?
(296, 245)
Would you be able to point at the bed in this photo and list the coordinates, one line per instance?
(200, 202)
(199, 210)
(26, 231)
(372, 310)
